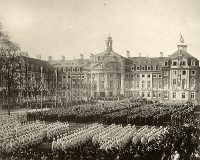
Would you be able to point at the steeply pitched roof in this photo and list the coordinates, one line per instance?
(71, 63)
(37, 62)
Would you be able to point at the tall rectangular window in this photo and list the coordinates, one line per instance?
(174, 83)
(159, 94)
(132, 84)
(154, 94)
(148, 84)
(183, 83)
(174, 95)
(138, 84)
(183, 95)
(127, 84)
(143, 84)
(192, 95)
(142, 94)
(111, 84)
(154, 84)
(148, 94)
(159, 84)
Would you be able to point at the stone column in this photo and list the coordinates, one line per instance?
(106, 85)
(98, 83)
(115, 84)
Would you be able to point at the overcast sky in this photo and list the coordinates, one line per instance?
(74, 27)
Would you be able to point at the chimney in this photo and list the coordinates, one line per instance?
(62, 58)
(139, 54)
(38, 56)
(161, 54)
(81, 56)
(127, 54)
(50, 58)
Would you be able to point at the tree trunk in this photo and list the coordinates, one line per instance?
(9, 98)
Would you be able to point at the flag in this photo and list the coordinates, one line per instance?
(181, 39)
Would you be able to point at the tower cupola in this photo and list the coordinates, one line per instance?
(109, 44)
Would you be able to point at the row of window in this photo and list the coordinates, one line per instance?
(71, 69)
(192, 95)
(176, 63)
(166, 94)
(144, 68)
(143, 76)
(144, 85)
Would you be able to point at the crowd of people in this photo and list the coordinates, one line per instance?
(126, 131)
(16, 135)
(81, 113)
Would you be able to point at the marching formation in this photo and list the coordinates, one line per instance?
(129, 131)
(77, 138)
(15, 135)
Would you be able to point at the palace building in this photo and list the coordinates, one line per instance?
(175, 78)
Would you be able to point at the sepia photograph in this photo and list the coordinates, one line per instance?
(99, 80)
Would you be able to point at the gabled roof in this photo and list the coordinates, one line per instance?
(71, 63)
(37, 62)
(146, 60)
(176, 54)
(156, 60)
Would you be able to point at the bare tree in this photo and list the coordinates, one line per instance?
(9, 66)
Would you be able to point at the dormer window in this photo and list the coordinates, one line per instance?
(193, 63)
(78, 69)
(166, 63)
(175, 63)
(143, 68)
(138, 68)
(154, 68)
(149, 68)
(132, 68)
(69, 69)
(184, 63)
